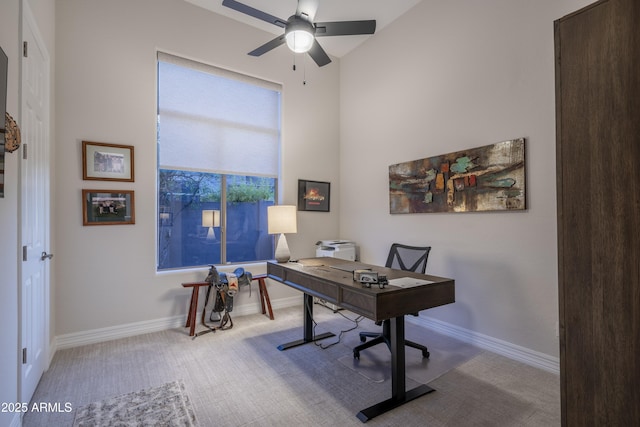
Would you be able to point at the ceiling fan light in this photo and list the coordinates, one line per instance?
(299, 40)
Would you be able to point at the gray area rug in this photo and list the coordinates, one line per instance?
(166, 405)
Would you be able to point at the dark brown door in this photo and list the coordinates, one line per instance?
(598, 167)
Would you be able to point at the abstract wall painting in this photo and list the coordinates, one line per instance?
(489, 178)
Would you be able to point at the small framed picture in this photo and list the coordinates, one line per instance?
(108, 207)
(313, 195)
(107, 162)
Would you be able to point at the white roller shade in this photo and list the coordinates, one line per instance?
(214, 120)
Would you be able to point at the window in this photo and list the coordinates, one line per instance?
(218, 158)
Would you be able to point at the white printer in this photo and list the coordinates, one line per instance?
(343, 249)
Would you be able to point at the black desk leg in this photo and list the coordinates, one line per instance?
(398, 379)
(308, 327)
(399, 395)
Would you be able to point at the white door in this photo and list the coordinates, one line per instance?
(34, 207)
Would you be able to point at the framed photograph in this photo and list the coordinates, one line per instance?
(108, 207)
(313, 195)
(107, 162)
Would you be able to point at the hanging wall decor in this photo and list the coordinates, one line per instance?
(489, 178)
(107, 162)
(314, 195)
(9, 142)
(108, 207)
(12, 137)
(4, 67)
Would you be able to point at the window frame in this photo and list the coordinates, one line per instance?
(224, 208)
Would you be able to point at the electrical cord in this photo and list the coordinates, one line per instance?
(356, 321)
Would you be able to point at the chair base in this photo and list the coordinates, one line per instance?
(384, 337)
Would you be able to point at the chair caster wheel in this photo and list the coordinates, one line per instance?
(363, 339)
(356, 355)
(425, 354)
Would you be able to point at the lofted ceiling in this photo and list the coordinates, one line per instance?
(383, 11)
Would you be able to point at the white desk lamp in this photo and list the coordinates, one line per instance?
(282, 219)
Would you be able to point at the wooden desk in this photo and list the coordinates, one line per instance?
(319, 277)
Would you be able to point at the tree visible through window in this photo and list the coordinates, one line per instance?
(218, 151)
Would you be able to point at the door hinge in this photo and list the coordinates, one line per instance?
(24, 253)
(24, 151)
(24, 356)
(25, 47)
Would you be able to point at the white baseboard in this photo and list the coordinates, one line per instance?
(512, 351)
(504, 348)
(95, 336)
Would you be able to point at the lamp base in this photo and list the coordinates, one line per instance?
(282, 250)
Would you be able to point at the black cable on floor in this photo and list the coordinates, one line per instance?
(355, 321)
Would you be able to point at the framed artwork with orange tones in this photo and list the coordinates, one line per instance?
(313, 195)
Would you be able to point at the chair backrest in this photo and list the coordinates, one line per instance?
(411, 258)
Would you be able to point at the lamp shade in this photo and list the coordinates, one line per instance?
(282, 219)
(210, 218)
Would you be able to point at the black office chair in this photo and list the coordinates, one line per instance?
(403, 257)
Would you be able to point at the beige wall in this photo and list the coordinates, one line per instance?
(106, 71)
(451, 75)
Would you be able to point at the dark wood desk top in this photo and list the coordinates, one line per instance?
(319, 277)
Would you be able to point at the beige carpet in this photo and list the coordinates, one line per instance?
(238, 377)
(489, 390)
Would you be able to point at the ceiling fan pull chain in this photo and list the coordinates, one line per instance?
(304, 70)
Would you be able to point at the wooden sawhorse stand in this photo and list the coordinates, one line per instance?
(265, 302)
(264, 295)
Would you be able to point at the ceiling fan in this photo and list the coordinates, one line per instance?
(300, 31)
